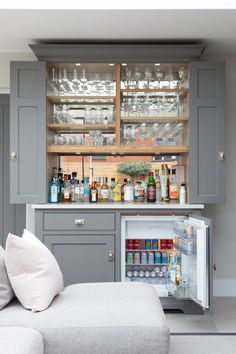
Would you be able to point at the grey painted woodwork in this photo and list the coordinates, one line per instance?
(28, 173)
(83, 259)
(206, 132)
(104, 52)
(12, 217)
(79, 221)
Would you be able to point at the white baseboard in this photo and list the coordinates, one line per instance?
(224, 287)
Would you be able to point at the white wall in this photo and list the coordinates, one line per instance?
(224, 215)
(5, 59)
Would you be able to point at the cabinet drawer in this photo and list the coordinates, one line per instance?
(78, 221)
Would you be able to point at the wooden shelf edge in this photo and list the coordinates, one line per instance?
(163, 119)
(80, 127)
(181, 90)
(117, 150)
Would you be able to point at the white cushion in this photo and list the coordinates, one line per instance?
(16, 340)
(6, 292)
(33, 271)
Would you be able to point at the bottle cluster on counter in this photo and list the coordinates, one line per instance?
(67, 188)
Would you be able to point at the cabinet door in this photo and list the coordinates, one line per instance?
(207, 132)
(28, 132)
(83, 259)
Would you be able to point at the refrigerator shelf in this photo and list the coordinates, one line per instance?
(146, 264)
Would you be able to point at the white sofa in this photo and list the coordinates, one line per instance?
(101, 318)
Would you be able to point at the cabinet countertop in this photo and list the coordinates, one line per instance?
(116, 206)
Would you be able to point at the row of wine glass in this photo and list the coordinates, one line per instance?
(153, 134)
(63, 114)
(92, 138)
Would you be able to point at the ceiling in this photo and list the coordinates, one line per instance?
(216, 28)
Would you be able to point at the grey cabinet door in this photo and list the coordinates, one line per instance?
(28, 133)
(12, 217)
(207, 132)
(83, 259)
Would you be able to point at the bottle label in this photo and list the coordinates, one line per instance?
(93, 195)
(54, 194)
(151, 194)
(116, 194)
(139, 194)
(105, 194)
(128, 194)
(66, 194)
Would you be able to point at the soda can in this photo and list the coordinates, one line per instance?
(129, 273)
(135, 273)
(160, 274)
(137, 258)
(141, 274)
(157, 269)
(147, 274)
(157, 259)
(155, 244)
(130, 258)
(153, 274)
(163, 244)
(151, 258)
(137, 244)
(147, 244)
(164, 259)
(144, 257)
(130, 244)
(163, 269)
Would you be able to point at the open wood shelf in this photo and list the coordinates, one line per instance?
(160, 119)
(117, 150)
(162, 90)
(68, 128)
(80, 99)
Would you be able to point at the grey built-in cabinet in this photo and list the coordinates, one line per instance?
(82, 242)
(28, 161)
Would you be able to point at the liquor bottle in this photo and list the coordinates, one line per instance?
(158, 187)
(112, 185)
(116, 191)
(164, 183)
(66, 190)
(174, 190)
(182, 193)
(105, 191)
(86, 190)
(144, 184)
(53, 191)
(93, 196)
(139, 192)
(74, 178)
(79, 192)
(98, 186)
(60, 184)
(122, 188)
(128, 192)
(151, 188)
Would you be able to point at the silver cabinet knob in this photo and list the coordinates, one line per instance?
(221, 155)
(79, 221)
(13, 155)
(110, 256)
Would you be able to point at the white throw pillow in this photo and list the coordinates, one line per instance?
(6, 292)
(33, 271)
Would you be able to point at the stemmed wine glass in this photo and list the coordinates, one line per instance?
(182, 76)
(148, 77)
(137, 76)
(159, 76)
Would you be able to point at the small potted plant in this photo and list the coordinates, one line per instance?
(134, 169)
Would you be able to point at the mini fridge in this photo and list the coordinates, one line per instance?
(173, 254)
